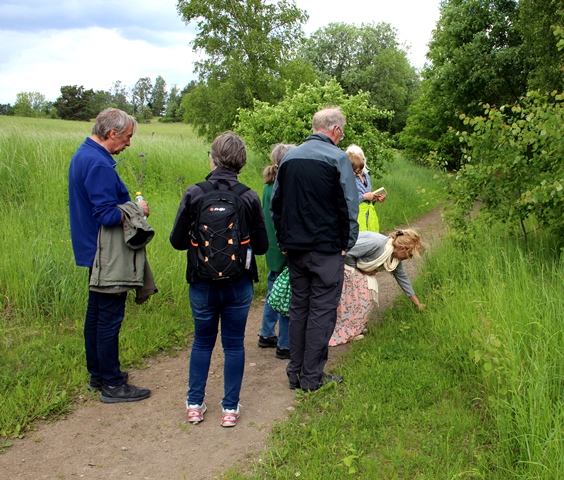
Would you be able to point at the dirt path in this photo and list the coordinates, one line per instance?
(151, 440)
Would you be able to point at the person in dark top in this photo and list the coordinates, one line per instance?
(314, 208)
(228, 300)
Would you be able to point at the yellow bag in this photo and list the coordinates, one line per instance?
(367, 218)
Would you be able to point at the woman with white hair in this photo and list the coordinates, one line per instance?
(367, 218)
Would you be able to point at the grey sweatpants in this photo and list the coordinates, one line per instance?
(317, 281)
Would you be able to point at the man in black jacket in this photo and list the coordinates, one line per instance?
(314, 209)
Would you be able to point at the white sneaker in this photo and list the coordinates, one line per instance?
(195, 413)
(230, 417)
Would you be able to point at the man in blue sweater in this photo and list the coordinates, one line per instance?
(314, 209)
(95, 190)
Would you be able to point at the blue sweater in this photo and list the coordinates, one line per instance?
(95, 190)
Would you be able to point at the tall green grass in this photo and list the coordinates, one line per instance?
(501, 302)
(412, 191)
(43, 294)
(471, 388)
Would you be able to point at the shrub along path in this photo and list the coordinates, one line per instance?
(151, 439)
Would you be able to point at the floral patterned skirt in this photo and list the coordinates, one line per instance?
(354, 308)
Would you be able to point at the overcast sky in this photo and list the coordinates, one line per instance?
(45, 44)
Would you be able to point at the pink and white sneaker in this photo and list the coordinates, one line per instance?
(195, 413)
(230, 417)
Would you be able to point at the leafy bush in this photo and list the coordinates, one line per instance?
(290, 121)
(515, 163)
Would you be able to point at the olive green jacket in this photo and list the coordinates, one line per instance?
(120, 263)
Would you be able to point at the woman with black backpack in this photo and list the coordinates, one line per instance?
(221, 224)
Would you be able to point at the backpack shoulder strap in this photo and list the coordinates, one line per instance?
(206, 186)
(240, 188)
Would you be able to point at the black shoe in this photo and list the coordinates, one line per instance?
(267, 342)
(124, 393)
(283, 353)
(96, 385)
(295, 383)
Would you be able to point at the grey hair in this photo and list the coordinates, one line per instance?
(278, 152)
(112, 118)
(325, 120)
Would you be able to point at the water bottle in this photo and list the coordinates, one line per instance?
(139, 198)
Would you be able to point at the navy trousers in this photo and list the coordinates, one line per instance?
(317, 281)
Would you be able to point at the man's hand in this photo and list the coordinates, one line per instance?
(145, 206)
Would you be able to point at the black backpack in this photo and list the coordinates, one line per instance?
(220, 236)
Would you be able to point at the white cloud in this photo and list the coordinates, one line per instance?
(92, 57)
(414, 20)
(45, 44)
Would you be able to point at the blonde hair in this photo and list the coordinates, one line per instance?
(276, 156)
(409, 239)
(357, 158)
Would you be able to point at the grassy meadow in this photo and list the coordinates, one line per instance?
(471, 388)
(44, 294)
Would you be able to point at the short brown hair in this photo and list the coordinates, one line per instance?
(228, 152)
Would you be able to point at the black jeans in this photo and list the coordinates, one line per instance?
(104, 315)
(317, 281)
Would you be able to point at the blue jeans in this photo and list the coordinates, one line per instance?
(270, 317)
(211, 301)
(104, 315)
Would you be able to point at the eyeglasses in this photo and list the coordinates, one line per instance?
(342, 132)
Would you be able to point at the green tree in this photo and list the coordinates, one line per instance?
(289, 121)
(475, 57)
(30, 104)
(120, 97)
(6, 109)
(174, 109)
(366, 58)
(74, 103)
(141, 93)
(144, 114)
(482, 52)
(158, 97)
(538, 21)
(100, 100)
(249, 48)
